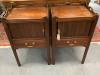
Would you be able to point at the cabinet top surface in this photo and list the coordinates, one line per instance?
(28, 13)
(71, 12)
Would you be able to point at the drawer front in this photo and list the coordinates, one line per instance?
(72, 42)
(29, 43)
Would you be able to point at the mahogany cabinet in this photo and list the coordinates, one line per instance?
(73, 24)
(49, 24)
(27, 27)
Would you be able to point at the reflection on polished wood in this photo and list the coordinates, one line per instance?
(71, 12)
(28, 13)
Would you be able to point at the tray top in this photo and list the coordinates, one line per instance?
(28, 13)
(71, 12)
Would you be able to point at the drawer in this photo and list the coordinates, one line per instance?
(63, 42)
(72, 42)
(29, 43)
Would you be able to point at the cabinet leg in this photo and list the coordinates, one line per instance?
(16, 56)
(85, 54)
(53, 56)
(49, 56)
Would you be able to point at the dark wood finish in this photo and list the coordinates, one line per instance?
(90, 36)
(72, 25)
(72, 42)
(71, 11)
(64, 23)
(28, 27)
(24, 43)
(11, 42)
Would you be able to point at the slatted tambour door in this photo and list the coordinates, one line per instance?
(29, 24)
(27, 30)
(74, 29)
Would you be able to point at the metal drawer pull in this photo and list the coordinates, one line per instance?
(58, 34)
(27, 45)
(30, 45)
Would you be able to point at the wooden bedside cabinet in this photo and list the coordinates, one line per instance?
(73, 24)
(27, 27)
(30, 24)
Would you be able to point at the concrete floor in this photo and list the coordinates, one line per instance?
(67, 62)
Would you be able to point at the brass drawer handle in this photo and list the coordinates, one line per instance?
(67, 42)
(75, 41)
(33, 43)
(27, 45)
(30, 45)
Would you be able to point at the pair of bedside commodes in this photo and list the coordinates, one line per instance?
(48, 24)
